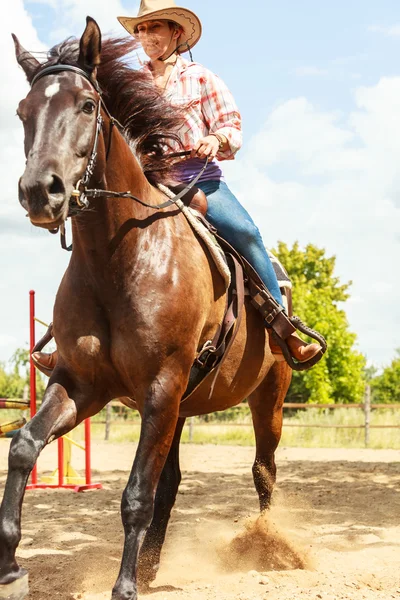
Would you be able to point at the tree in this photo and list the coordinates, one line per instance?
(317, 295)
(386, 387)
(13, 380)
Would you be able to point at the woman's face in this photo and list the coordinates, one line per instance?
(156, 38)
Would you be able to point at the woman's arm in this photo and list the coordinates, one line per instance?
(221, 115)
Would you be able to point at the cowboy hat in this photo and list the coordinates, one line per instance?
(154, 10)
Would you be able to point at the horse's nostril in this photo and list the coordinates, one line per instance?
(56, 187)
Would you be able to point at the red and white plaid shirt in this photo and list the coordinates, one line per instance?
(211, 107)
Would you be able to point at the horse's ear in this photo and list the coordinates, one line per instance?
(90, 47)
(25, 59)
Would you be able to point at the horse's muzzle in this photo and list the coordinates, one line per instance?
(44, 198)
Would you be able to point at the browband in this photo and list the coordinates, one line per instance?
(59, 68)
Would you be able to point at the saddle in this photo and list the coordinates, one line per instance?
(194, 198)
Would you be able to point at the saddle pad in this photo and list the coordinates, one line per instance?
(280, 272)
(215, 249)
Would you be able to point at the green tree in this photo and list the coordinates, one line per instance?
(386, 387)
(15, 378)
(317, 295)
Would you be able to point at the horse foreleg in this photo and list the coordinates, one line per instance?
(159, 419)
(149, 559)
(266, 404)
(58, 414)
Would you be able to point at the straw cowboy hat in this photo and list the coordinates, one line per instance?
(154, 10)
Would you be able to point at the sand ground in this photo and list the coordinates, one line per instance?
(336, 514)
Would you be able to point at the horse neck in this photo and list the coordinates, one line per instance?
(95, 231)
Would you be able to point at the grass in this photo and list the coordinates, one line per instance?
(241, 433)
(310, 437)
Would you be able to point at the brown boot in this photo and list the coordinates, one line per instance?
(45, 362)
(275, 349)
(300, 350)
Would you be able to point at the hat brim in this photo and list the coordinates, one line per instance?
(189, 22)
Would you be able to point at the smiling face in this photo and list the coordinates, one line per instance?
(157, 37)
(59, 118)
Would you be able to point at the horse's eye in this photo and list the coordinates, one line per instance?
(89, 107)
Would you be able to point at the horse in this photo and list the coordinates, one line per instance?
(140, 295)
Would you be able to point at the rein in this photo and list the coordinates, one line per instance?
(80, 196)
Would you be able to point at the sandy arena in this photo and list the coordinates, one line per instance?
(336, 514)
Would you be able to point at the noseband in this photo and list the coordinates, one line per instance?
(79, 195)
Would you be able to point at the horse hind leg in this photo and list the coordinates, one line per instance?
(149, 559)
(266, 405)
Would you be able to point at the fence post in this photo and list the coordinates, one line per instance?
(108, 421)
(191, 428)
(367, 412)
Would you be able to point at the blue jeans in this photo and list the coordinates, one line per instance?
(234, 224)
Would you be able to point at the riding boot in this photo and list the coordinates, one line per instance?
(300, 350)
(284, 341)
(45, 362)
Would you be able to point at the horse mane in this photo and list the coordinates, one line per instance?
(151, 122)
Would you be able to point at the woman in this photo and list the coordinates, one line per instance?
(212, 129)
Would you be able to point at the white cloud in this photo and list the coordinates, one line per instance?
(332, 179)
(310, 71)
(310, 140)
(72, 15)
(15, 20)
(7, 340)
(389, 31)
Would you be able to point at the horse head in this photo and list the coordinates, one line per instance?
(59, 118)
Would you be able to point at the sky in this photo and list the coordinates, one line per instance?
(318, 86)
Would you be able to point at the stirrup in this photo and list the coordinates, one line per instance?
(281, 325)
(315, 335)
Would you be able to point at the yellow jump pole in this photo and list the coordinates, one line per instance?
(9, 403)
(11, 426)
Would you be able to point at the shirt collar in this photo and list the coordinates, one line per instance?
(181, 64)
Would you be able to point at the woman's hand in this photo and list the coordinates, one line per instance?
(206, 146)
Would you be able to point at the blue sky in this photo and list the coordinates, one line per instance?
(318, 86)
(258, 54)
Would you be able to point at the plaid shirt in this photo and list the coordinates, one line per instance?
(211, 107)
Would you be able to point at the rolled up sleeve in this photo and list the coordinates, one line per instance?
(221, 113)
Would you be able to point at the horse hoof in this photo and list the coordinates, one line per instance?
(16, 590)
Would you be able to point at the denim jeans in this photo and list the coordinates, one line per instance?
(234, 224)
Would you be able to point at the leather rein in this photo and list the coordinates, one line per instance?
(81, 193)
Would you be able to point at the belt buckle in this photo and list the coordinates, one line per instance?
(270, 317)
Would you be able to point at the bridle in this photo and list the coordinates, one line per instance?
(81, 193)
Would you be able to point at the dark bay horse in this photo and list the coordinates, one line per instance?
(139, 298)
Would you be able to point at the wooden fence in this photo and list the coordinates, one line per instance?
(366, 407)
